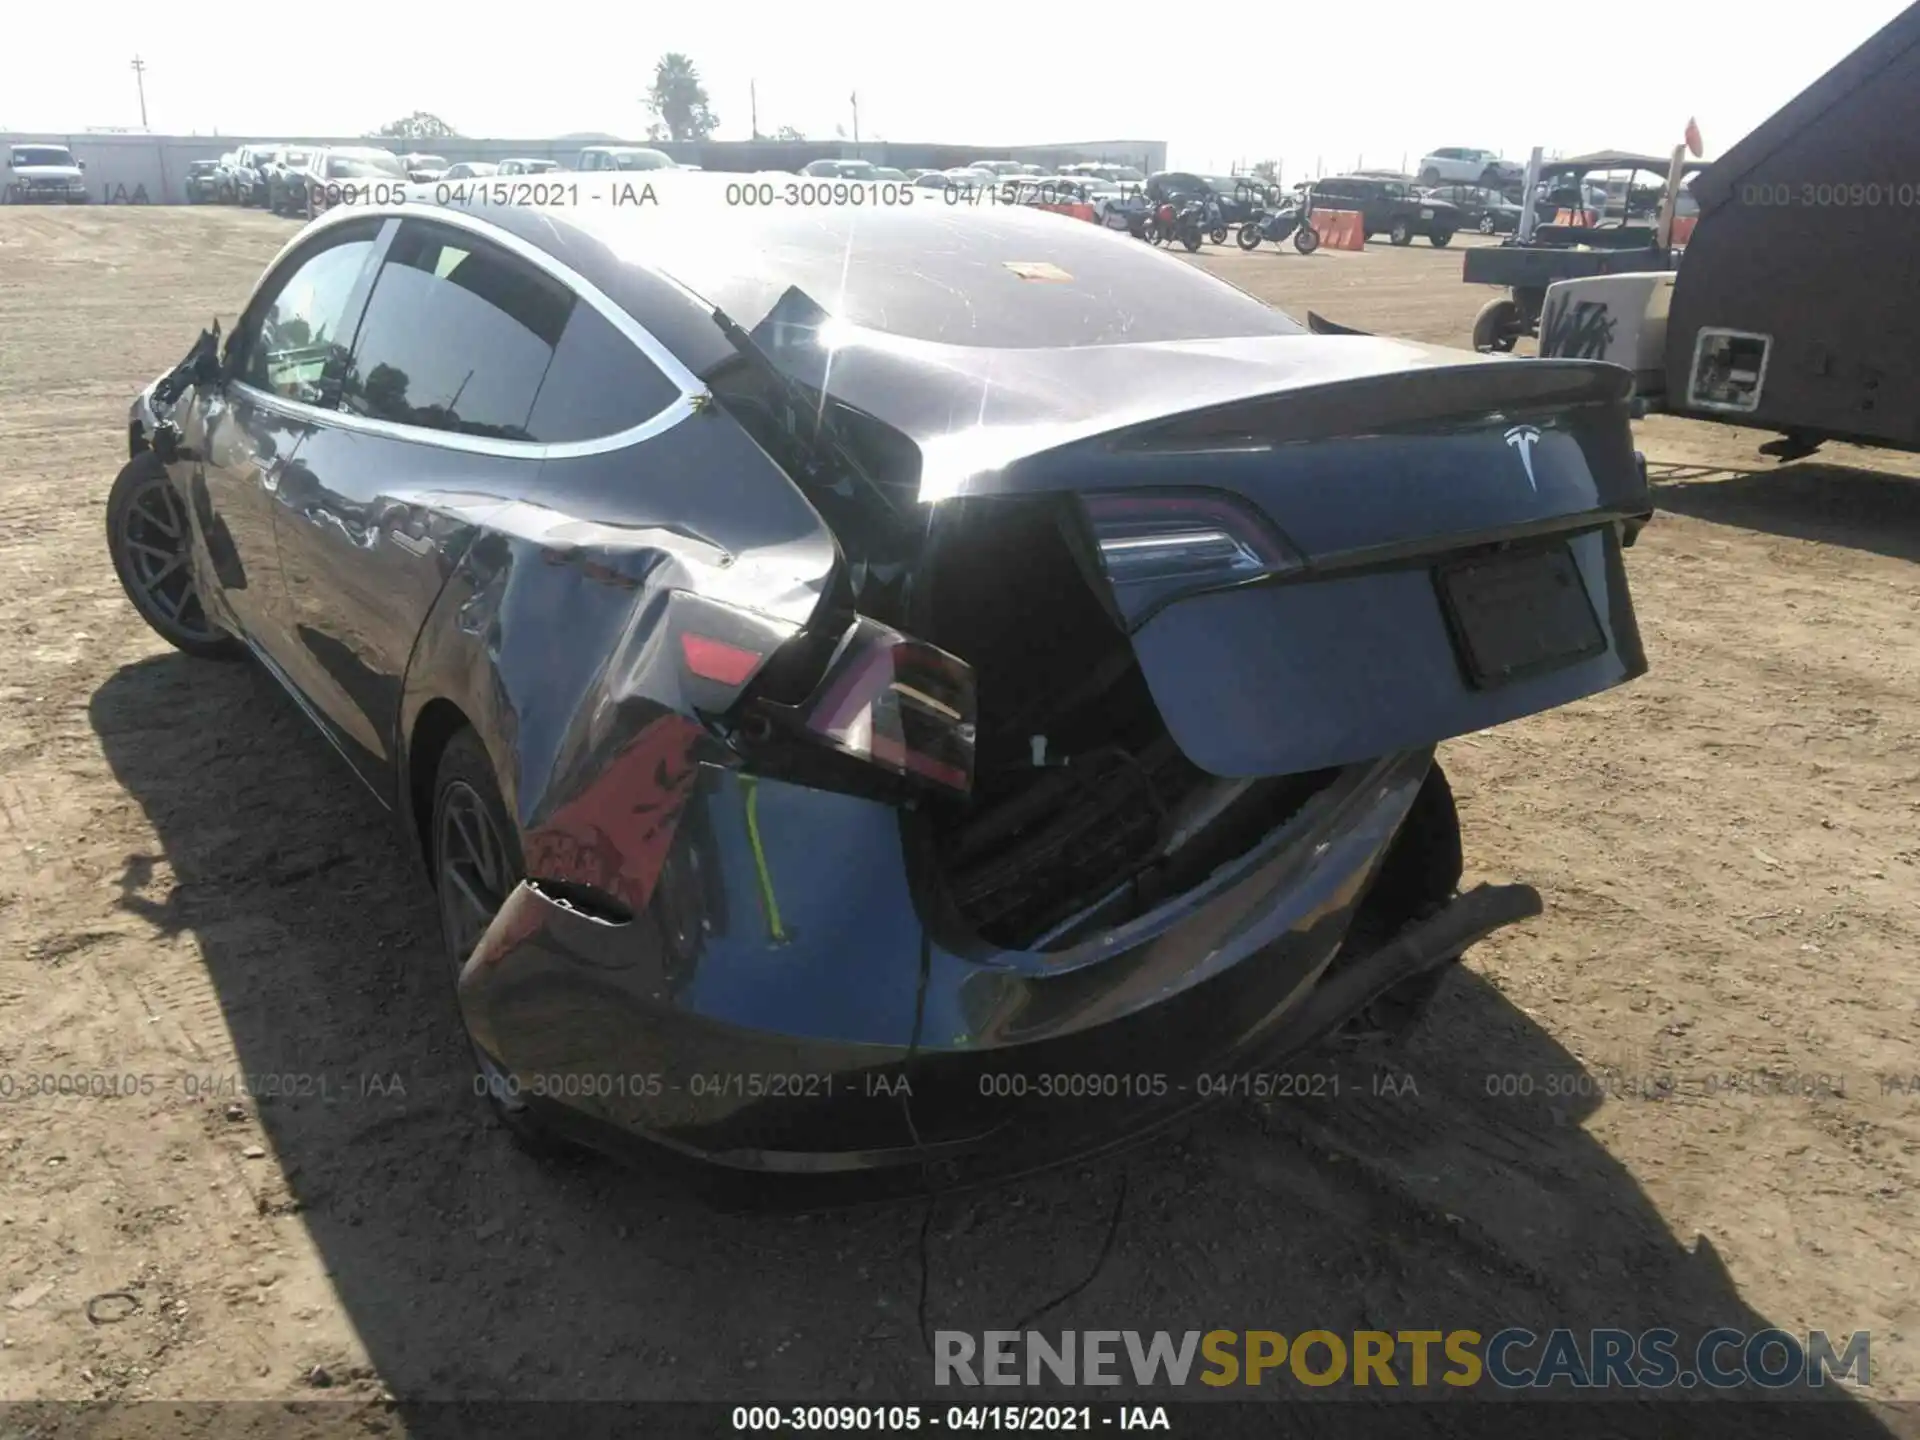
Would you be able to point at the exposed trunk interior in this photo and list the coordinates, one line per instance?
(1084, 813)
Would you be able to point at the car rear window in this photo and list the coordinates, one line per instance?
(961, 275)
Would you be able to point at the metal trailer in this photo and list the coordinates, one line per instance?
(1540, 255)
(1797, 308)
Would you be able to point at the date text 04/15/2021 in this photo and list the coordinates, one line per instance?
(909, 1419)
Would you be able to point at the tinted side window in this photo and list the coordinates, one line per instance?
(458, 336)
(598, 384)
(296, 343)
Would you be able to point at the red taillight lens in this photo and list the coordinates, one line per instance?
(1158, 546)
(899, 704)
(718, 661)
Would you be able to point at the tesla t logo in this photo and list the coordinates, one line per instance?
(1523, 438)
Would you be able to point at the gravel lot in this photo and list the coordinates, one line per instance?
(192, 889)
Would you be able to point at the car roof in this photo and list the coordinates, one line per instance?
(1001, 277)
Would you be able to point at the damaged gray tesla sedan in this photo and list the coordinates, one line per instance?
(883, 687)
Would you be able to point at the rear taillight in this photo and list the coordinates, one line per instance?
(890, 714)
(899, 704)
(1156, 547)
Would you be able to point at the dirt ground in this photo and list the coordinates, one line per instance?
(1689, 1095)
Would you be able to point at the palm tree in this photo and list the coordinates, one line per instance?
(679, 100)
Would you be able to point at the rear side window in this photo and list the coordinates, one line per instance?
(598, 383)
(457, 336)
(462, 336)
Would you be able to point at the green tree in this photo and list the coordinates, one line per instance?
(679, 101)
(788, 132)
(420, 125)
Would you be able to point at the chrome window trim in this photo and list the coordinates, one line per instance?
(693, 393)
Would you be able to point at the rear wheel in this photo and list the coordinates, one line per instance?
(1218, 235)
(1441, 238)
(1430, 176)
(1249, 236)
(1402, 232)
(476, 865)
(1306, 239)
(151, 544)
(1497, 327)
(1191, 239)
(1486, 225)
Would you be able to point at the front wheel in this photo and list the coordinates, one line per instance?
(1401, 233)
(1306, 239)
(1487, 225)
(1218, 235)
(1191, 239)
(150, 542)
(1496, 329)
(1249, 237)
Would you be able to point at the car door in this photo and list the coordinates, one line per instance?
(283, 366)
(470, 365)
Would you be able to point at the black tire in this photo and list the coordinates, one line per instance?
(464, 790)
(1497, 327)
(1430, 176)
(1401, 232)
(149, 539)
(1191, 240)
(1441, 239)
(1489, 179)
(1487, 225)
(1249, 237)
(1306, 239)
(1218, 235)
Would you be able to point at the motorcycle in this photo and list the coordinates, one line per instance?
(1192, 219)
(1216, 220)
(1290, 221)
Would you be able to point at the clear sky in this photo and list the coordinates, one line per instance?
(1221, 83)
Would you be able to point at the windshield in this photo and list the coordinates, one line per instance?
(41, 155)
(641, 160)
(429, 162)
(297, 157)
(363, 167)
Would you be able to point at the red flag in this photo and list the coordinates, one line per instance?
(1693, 139)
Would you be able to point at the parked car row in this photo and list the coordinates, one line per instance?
(278, 177)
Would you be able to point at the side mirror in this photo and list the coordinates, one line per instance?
(81, 164)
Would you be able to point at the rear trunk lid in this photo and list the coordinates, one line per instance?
(1442, 530)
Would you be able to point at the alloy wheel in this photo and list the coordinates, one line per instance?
(473, 871)
(155, 544)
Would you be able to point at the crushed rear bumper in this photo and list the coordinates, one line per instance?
(781, 1007)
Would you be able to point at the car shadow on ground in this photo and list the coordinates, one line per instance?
(1454, 1187)
(1833, 504)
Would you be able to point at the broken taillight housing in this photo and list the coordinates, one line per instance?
(898, 704)
(1156, 547)
(889, 715)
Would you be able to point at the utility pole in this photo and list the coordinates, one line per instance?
(854, 99)
(140, 79)
(753, 104)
